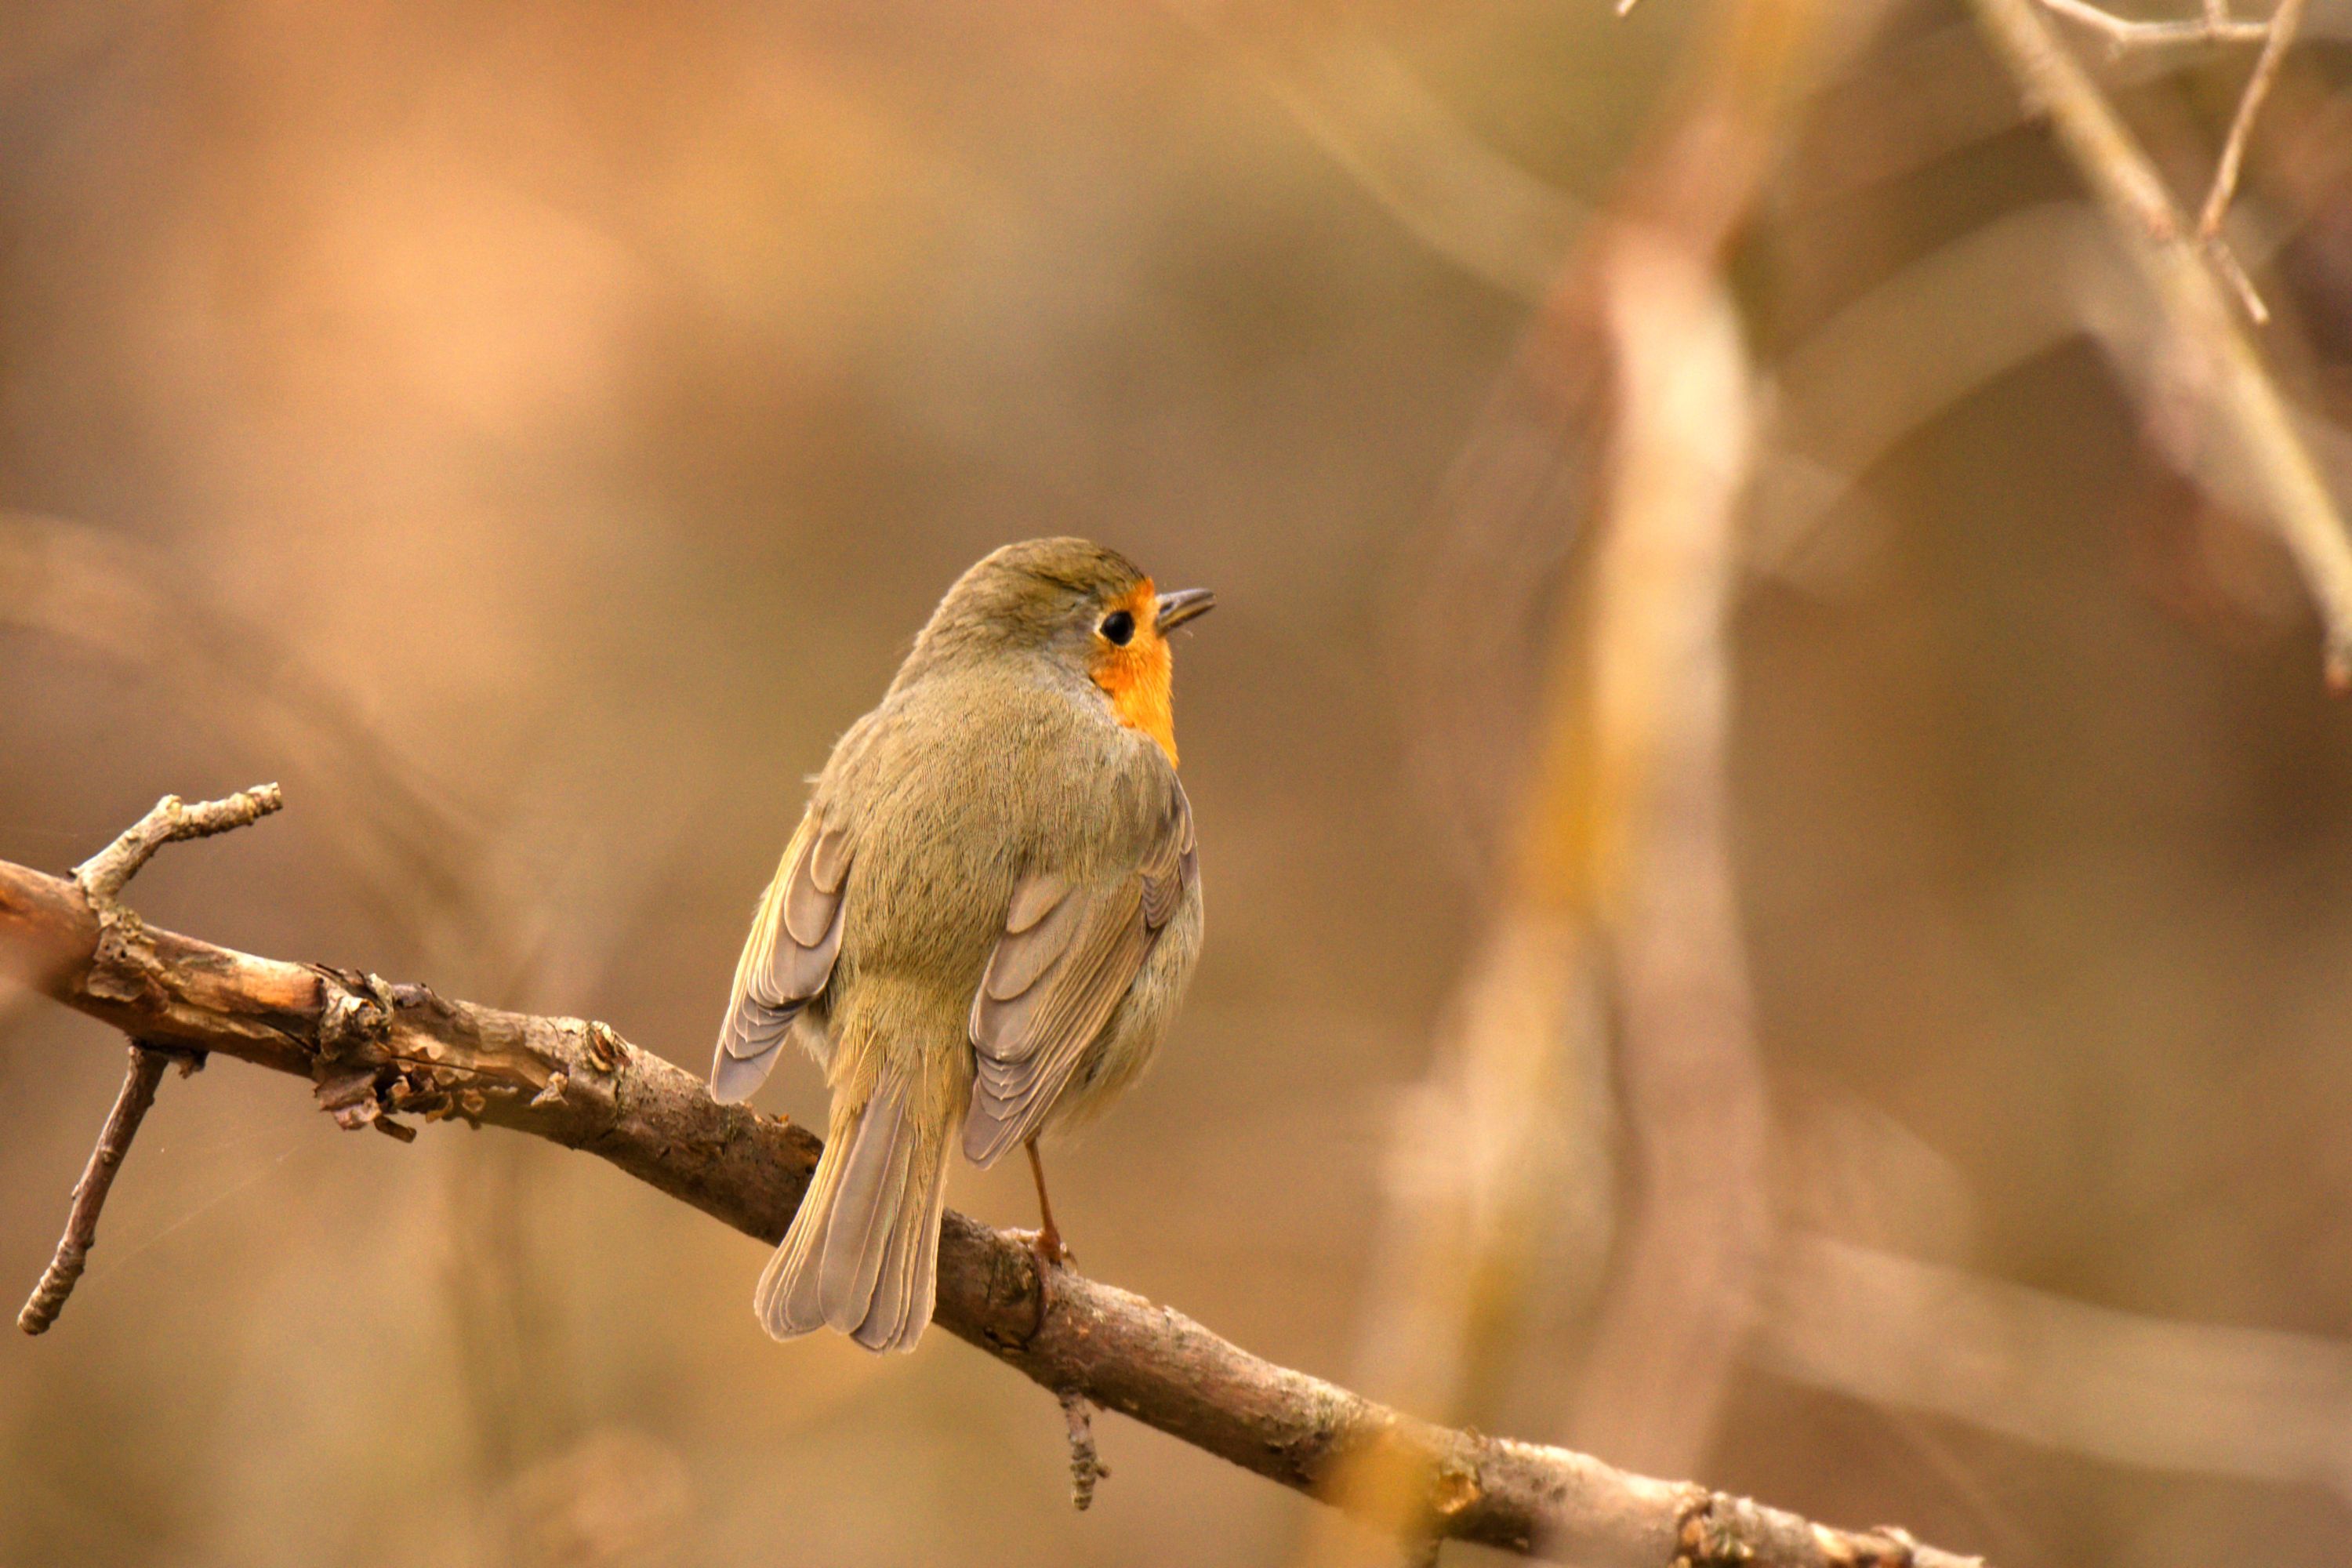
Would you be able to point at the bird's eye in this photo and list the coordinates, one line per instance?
(1118, 626)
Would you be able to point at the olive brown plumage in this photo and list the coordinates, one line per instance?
(983, 924)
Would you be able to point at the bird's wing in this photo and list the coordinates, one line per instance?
(1068, 953)
(788, 957)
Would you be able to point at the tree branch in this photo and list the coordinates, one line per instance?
(374, 1051)
(2218, 362)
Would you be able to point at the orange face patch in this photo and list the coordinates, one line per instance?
(1140, 677)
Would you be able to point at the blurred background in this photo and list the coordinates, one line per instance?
(1778, 858)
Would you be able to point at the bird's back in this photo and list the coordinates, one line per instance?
(963, 782)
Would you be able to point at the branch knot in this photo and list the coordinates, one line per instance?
(1709, 1538)
(355, 1017)
(354, 1082)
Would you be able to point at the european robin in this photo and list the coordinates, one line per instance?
(982, 925)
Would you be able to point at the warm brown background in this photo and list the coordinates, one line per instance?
(587, 402)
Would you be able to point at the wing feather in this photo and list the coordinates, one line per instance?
(788, 957)
(1066, 958)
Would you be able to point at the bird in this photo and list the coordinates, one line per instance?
(981, 928)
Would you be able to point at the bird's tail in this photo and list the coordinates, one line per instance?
(861, 1255)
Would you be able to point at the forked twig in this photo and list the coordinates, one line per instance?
(102, 879)
(2238, 388)
(2215, 25)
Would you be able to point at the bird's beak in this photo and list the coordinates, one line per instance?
(1181, 605)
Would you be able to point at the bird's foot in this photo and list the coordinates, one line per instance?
(1046, 1249)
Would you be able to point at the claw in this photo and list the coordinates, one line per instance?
(1050, 1258)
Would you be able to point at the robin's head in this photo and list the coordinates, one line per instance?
(1077, 605)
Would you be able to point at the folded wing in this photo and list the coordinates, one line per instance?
(1068, 953)
(787, 958)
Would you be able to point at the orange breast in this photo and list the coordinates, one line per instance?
(1140, 679)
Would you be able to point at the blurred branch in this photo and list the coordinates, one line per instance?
(1949, 324)
(2214, 26)
(2219, 362)
(2279, 38)
(1410, 153)
(1630, 401)
(422, 860)
(1941, 328)
(2191, 1397)
(374, 1049)
(1683, 1291)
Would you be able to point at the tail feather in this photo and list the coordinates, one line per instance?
(865, 1208)
(861, 1255)
(907, 1285)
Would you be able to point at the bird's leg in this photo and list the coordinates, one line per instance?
(1047, 1241)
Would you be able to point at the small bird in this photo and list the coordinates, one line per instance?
(982, 925)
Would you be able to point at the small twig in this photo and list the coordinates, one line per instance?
(2215, 27)
(2234, 272)
(139, 1081)
(1086, 1465)
(102, 877)
(2280, 37)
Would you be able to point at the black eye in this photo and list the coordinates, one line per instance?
(1118, 625)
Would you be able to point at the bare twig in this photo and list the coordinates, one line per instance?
(103, 875)
(102, 879)
(2280, 37)
(2234, 272)
(2234, 384)
(58, 1280)
(1085, 1464)
(376, 1049)
(2214, 26)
